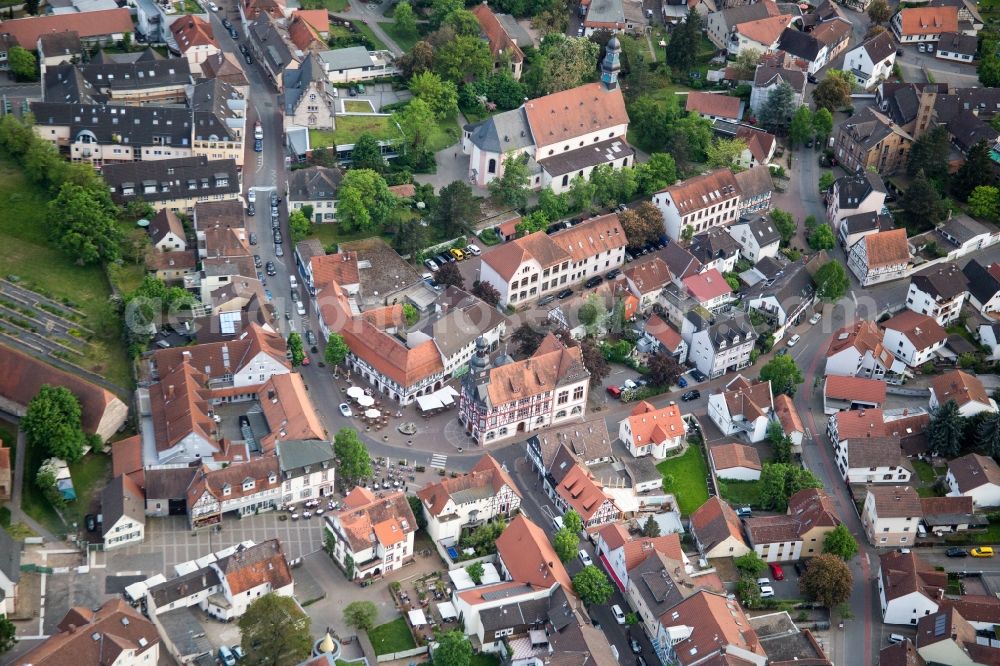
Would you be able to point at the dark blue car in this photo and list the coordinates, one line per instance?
(682, 383)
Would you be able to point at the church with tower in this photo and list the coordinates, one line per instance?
(564, 135)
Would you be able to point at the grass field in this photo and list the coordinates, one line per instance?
(924, 471)
(446, 133)
(358, 106)
(329, 5)
(484, 659)
(689, 472)
(28, 254)
(741, 493)
(392, 637)
(349, 128)
(367, 32)
(403, 40)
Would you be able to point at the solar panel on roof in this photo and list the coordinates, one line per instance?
(939, 623)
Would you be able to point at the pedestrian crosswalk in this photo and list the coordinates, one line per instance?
(438, 461)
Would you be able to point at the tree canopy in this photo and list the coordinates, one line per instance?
(946, 430)
(783, 373)
(779, 481)
(642, 223)
(354, 464)
(364, 201)
(457, 209)
(828, 580)
(562, 63)
(831, 281)
(361, 615)
(453, 649)
(592, 586)
(336, 350)
(832, 92)
(275, 631)
(512, 187)
(840, 542)
(52, 422)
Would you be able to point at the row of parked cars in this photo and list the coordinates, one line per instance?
(451, 256)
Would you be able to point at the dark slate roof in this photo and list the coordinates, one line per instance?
(103, 75)
(588, 156)
(168, 482)
(771, 267)
(181, 587)
(273, 42)
(655, 584)
(855, 224)
(315, 183)
(958, 43)
(799, 44)
(790, 285)
(66, 43)
(172, 178)
(136, 125)
(967, 129)
(880, 47)
(964, 228)
(725, 330)
(743, 13)
(514, 615)
(716, 243)
(982, 284)
(296, 81)
(763, 230)
(941, 280)
(119, 499)
(680, 262)
(852, 190)
(296, 454)
(869, 127)
(10, 556)
(766, 75)
(504, 131)
(66, 83)
(218, 109)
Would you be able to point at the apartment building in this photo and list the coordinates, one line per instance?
(872, 460)
(924, 24)
(854, 195)
(174, 184)
(870, 140)
(858, 351)
(871, 61)
(912, 337)
(718, 346)
(890, 515)
(699, 203)
(938, 291)
(909, 588)
(372, 534)
(315, 186)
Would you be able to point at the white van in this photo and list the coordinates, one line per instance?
(292, 281)
(301, 309)
(557, 523)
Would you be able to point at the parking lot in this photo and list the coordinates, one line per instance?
(170, 541)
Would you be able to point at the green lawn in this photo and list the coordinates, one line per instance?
(358, 106)
(403, 40)
(367, 32)
(28, 254)
(444, 134)
(484, 659)
(90, 475)
(392, 637)
(924, 471)
(740, 493)
(349, 128)
(33, 502)
(689, 472)
(329, 5)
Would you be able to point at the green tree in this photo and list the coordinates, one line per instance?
(417, 507)
(500, 88)
(531, 223)
(416, 120)
(300, 225)
(921, 203)
(336, 350)
(465, 56)
(562, 63)
(929, 154)
(831, 281)
(361, 615)
(594, 361)
(22, 63)
(8, 632)
(785, 224)
(746, 63)
(750, 565)
(553, 206)
(664, 370)
(441, 9)
(801, 129)
(832, 92)
(828, 580)
(690, 138)
(367, 154)
(826, 180)
(44, 165)
(410, 314)
(353, 463)
(476, 571)
(592, 586)
(453, 649)
(946, 429)
(449, 275)
(582, 195)
(840, 542)
(440, 95)
(879, 11)
(411, 235)
(405, 19)
(781, 444)
(651, 528)
(984, 203)
(748, 592)
(687, 233)
(572, 521)
(975, 171)
(613, 186)
(592, 313)
(783, 374)
(821, 237)
(52, 423)
(642, 223)
(685, 43)
(776, 113)
(823, 124)
(295, 348)
(275, 631)
(651, 121)
(989, 65)
(527, 338)
(656, 173)
(725, 153)
(45, 480)
(463, 22)
(987, 435)
(512, 187)
(779, 481)
(84, 223)
(457, 209)
(364, 200)
(486, 292)
(565, 544)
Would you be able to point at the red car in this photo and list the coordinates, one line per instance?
(614, 392)
(776, 571)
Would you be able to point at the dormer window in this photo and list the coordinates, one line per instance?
(227, 490)
(248, 484)
(272, 477)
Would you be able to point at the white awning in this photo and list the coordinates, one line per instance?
(428, 402)
(447, 610)
(417, 618)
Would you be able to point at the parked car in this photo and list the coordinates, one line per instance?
(458, 254)
(310, 338)
(473, 249)
(300, 309)
(982, 551)
(776, 571)
(766, 591)
(214, 7)
(226, 656)
(251, 210)
(629, 384)
(238, 653)
(612, 274)
(226, 23)
(269, 267)
(585, 558)
(277, 237)
(616, 610)
(634, 643)
(345, 410)
(243, 50)
(278, 252)
(564, 294)
(955, 551)
(545, 300)
(275, 199)
(257, 262)
(248, 58)
(594, 281)
(815, 318)
(693, 394)
(91, 522)
(681, 382)
(431, 265)
(639, 661)
(698, 375)
(614, 391)
(253, 238)
(794, 340)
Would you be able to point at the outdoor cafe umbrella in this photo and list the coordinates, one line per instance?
(372, 413)
(355, 392)
(366, 401)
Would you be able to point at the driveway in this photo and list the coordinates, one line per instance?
(913, 63)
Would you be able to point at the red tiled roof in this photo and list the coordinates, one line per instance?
(86, 24)
(126, 459)
(716, 622)
(921, 330)
(707, 286)
(572, 113)
(928, 20)
(854, 388)
(703, 191)
(961, 387)
(507, 258)
(499, 41)
(886, 248)
(904, 573)
(529, 556)
(546, 369)
(788, 414)
(303, 33)
(760, 143)
(722, 106)
(715, 521)
(582, 492)
(765, 31)
(650, 425)
(637, 550)
(648, 276)
(366, 517)
(728, 456)
(486, 474)
(666, 334)
(252, 567)
(192, 31)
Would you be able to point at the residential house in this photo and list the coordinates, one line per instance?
(271, 46)
(872, 460)
(123, 508)
(588, 440)
(195, 39)
(539, 264)
(526, 556)
(743, 408)
(906, 424)
(957, 47)
(720, 24)
(54, 48)
(967, 235)
(499, 613)
(938, 291)
(166, 232)
(789, 418)
(784, 300)
(22, 377)
(975, 476)
(578, 489)
(871, 61)
(756, 190)
(463, 502)
(175, 184)
(715, 107)
(890, 515)
(549, 388)
(10, 571)
(357, 63)
(505, 37)
(758, 237)
(94, 28)
(140, 80)
(984, 286)
(912, 106)
(716, 530)
(315, 186)
(870, 140)
(819, 46)
(924, 24)
(114, 633)
(760, 146)
(965, 390)
(646, 279)
(909, 588)
(943, 515)
(768, 77)
(707, 628)
(309, 97)
(855, 195)
(715, 249)
(946, 637)
(855, 227)
(980, 610)
(705, 201)
(847, 392)
(373, 534)
(621, 553)
(456, 322)
(664, 339)
(799, 533)
(880, 257)
(720, 347)
(614, 16)
(912, 337)
(735, 462)
(565, 134)
(709, 289)
(224, 67)
(858, 351)
(760, 35)
(651, 431)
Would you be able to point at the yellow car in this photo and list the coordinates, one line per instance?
(458, 254)
(982, 551)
